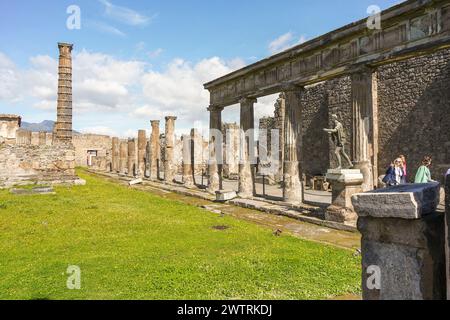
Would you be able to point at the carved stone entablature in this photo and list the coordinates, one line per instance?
(413, 27)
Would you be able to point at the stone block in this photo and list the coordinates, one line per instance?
(410, 201)
(409, 255)
(136, 181)
(225, 195)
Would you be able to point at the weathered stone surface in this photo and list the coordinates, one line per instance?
(409, 254)
(136, 181)
(101, 144)
(188, 178)
(169, 160)
(155, 150)
(447, 227)
(141, 154)
(63, 126)
(132, 157)
(225, 195)
(36, 190)
(29, 164)
(123, 159)
(410, 201)
(9, 124)
(214, 149)
(247, 143)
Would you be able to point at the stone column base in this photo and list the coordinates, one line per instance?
(292, 186)
(345, 183)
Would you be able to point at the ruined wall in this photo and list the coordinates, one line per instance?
(84, 142)
(314, 143)
(9, 124)
(318, 102)
(25, 164)
(414, 112)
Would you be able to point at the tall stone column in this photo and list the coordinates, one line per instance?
(123, 159)
(155, 149)
(169, 168)
(215, 148)
(231, 133)
(292, 187)
(188, 177)
(64, 106)
(131, 157)
(246, 179)
(115, 155)
(365, 132)
(142, 145)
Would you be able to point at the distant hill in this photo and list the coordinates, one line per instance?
(46, 126)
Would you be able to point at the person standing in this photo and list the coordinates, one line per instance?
(394, 174)
(405, 172)
(423, 174)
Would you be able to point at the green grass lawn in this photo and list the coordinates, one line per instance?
(131, 244)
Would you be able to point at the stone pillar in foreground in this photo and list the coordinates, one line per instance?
(447, 229)
(63, 126)
(155, 148)
(292, 190)
(115, 155)
(215, 149)
(188, 177)
(247, 148)
(141, 154)
(345, 183)
(132, 157)
(403, 245)
(365, 128)
(123, 159)
(231, 133)
(169, 166)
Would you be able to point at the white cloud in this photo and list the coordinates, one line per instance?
(106, 28)
(125, 15)
(155, 53)
(284, 42)
(122, 94)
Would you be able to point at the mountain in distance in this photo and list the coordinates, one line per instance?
(46, 125)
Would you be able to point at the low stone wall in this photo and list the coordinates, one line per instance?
(85, 142)
(42, 164)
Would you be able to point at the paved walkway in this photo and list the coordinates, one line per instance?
(300, 229)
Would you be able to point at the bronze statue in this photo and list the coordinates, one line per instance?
(338, 137)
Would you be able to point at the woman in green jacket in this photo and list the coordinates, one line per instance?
(423, 174)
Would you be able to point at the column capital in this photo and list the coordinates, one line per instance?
(213, 108)
(155, 122)
(247, 100)
(171, 118)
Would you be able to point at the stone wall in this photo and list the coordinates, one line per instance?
(42, 164)
(100, 143)
(414, 117)
(9, 124)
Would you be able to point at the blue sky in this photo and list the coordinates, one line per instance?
(140, 60)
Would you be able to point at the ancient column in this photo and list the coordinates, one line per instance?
(247, 146)
(49, 138)
(292, 187)
(23, 137)
(115, 154)
(447, 229)
(403, 243)
(132, 157)
(188, 177)
(42, 138)
(169, 168)
(64, 106)
(231, 133)
(123, 159)
(280, 113)
(215, 149)
(365, 132)
(142, 144)
(155, 146)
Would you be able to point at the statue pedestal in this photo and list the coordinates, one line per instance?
(345, 183)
